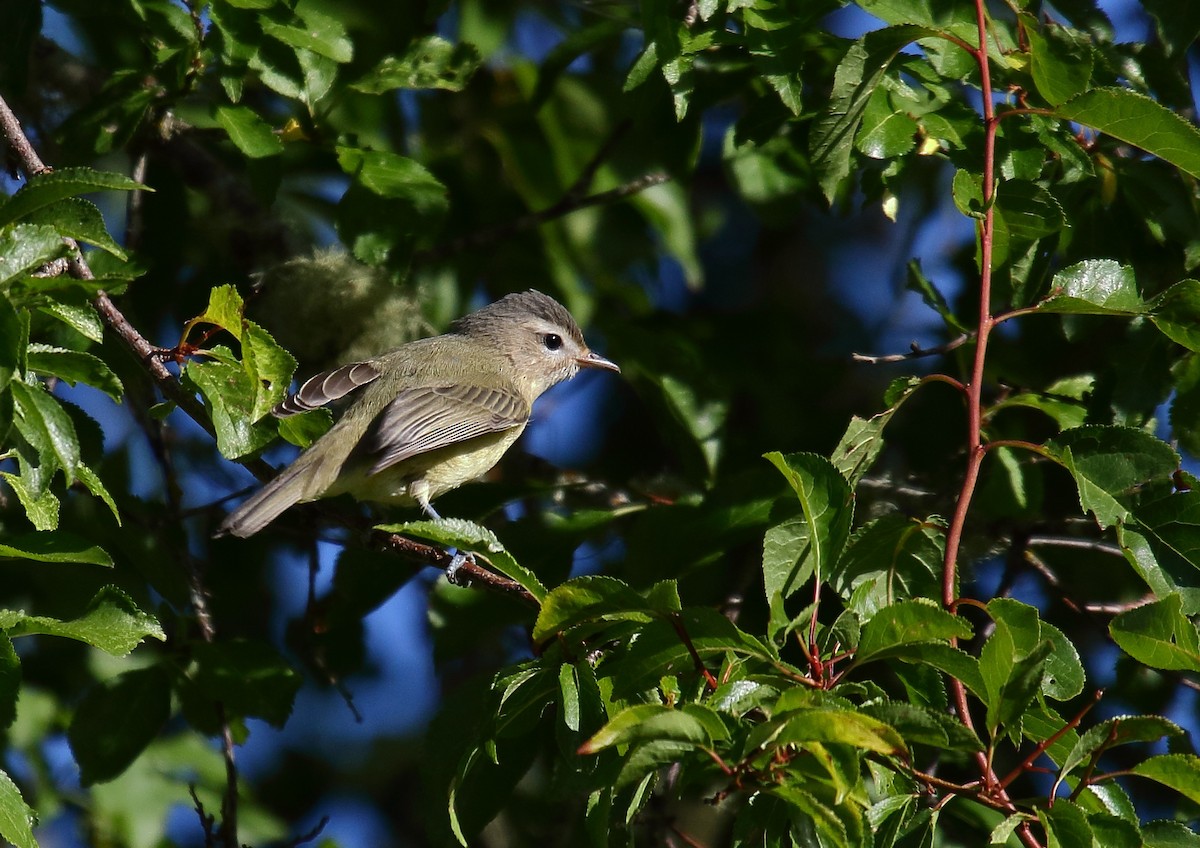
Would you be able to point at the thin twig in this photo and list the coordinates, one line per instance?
(681, 631)
(915, 351)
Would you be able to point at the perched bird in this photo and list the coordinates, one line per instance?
(430, 415)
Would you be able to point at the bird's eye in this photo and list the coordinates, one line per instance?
(552, 341)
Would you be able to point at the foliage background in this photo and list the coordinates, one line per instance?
(677, 175)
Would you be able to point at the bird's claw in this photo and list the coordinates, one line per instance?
(456, 562)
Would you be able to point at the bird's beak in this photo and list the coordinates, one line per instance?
(595, 360)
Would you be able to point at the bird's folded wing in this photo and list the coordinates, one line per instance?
(327, 387)
(424, 419)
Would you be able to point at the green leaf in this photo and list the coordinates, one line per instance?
(1159, 635)
(17, 819)
(75, 367)
(57, 546)
(1176, 313)
(1169, 834)
(46, 425)
(862, 442)
(921, 725)
(591, 598)
(885, 132)
(785, 567)
(12, 348)
(10, 681)
(225, 309)
(74, 217)
(1061, 68)
(116, 720)
(41, 507)
(906, 622)
(230, 395)
(468, 536)
(111, 622)
(1180, 772)
(1063, 676)
(269, 367)
(53, 186)
(322, 34)
(27, 247)
(81, 317)
(249, 133)
(844, 727)
(1094, 287)
(248, 678)
(1138, 120)
(893, 558)
(692, 724)
(1122, 730)
(95, 485)
(430, 62)
(826, 500)
(858, 75)
(1109, 463)
(1066, 825)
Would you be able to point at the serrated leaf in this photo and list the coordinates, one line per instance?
(1138, 120)
(826, 500)
(1159, 635)
(27, 247)
(862, 442)
(692, 724)
(46, 425)
(1066, 825)
(1109, 463)
(248, 132)
(1061, 69)
(269, 367)
(1094, 287)
(57, 546)
(17, 819)
(924, 726)
(844, 727)
(53, 186)
(1176, 313)
(891, 559)
(75, 366)
(430, 62)
(81, 317)
(96, 486)
(1180, 772)
(857, 76)
(112, 622)
(912, 621)
(1122, 730)
(41, 507)
(229, 394)
(225, 309)
(588, 598)
(74, 217)
(469, 536)
(312, 30)
(116, 720)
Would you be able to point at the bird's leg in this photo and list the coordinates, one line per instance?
(457, 557)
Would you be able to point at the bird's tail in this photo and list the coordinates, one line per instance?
(304, 480)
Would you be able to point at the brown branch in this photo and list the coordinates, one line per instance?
(1042, 746)
(468, 572)
(681, 631)
(915, 352)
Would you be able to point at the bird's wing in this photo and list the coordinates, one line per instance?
(327, 387)
(424, 419)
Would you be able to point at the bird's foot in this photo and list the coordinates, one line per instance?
(457, 561)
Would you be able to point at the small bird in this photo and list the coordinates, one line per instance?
(430, 415)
